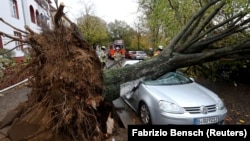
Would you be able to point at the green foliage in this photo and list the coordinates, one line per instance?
(165, 18)
(5, 60)
(121, 30)
(6, 53)
(94, 29)
(225, 69)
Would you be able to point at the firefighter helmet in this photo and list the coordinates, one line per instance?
(160, 47)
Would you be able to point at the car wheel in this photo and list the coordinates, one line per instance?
(144, 114)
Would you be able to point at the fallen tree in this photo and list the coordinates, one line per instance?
(199, 41)
(69, 88)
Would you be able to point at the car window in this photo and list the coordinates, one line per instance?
(171, 78)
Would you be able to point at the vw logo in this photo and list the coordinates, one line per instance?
(204, 110)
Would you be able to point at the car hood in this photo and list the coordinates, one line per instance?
(185, 95)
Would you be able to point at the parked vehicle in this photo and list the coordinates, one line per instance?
(130, 62)
(139, 55)
(176, 99)
(128, 54)
(114, 45)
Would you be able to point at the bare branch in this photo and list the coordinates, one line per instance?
(199, 29)
(178, 37)
(192, 59)
(1, 19)
(8, 51)
(208, 19)
(239, 16)
(195, 46)
(13, 37)
(29, 29)
(190, 30)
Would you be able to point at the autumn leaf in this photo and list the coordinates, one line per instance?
(242, 121)
(228, 119)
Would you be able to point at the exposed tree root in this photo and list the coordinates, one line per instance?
(66, 98)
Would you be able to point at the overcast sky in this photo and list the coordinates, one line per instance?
(108, 10)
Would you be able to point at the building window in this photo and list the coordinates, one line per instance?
(14, 9)
(42, 19)
(32, 15)
(19, 45)
(38, 21)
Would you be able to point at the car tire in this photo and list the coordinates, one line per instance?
(144, 114)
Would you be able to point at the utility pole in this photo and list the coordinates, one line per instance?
(138, 36)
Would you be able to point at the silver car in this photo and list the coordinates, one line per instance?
(138, 55)
(176, 99)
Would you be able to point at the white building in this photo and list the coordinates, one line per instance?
(33, 13)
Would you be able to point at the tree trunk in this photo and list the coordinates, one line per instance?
(114, 78)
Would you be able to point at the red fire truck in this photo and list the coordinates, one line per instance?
(114, 45)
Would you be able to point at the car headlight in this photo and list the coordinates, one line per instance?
(170, 107)
(220, 105)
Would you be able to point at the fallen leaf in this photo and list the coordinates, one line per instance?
(228, 119)
(242, 121)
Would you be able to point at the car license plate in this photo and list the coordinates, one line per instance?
(207, 120)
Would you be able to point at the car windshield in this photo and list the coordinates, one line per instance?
(171, 78)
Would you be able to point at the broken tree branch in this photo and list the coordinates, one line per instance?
(59, 14)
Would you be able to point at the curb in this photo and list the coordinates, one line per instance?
(10, 87)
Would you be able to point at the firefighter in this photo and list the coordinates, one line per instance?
(158, 51)
(118, 57)
(103, 56)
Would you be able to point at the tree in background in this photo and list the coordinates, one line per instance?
(121, 30)
(93, 28)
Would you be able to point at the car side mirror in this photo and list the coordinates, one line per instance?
(136, 86)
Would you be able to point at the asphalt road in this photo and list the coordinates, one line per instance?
(11, 98)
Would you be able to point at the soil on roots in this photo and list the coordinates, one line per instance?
(66, 97)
